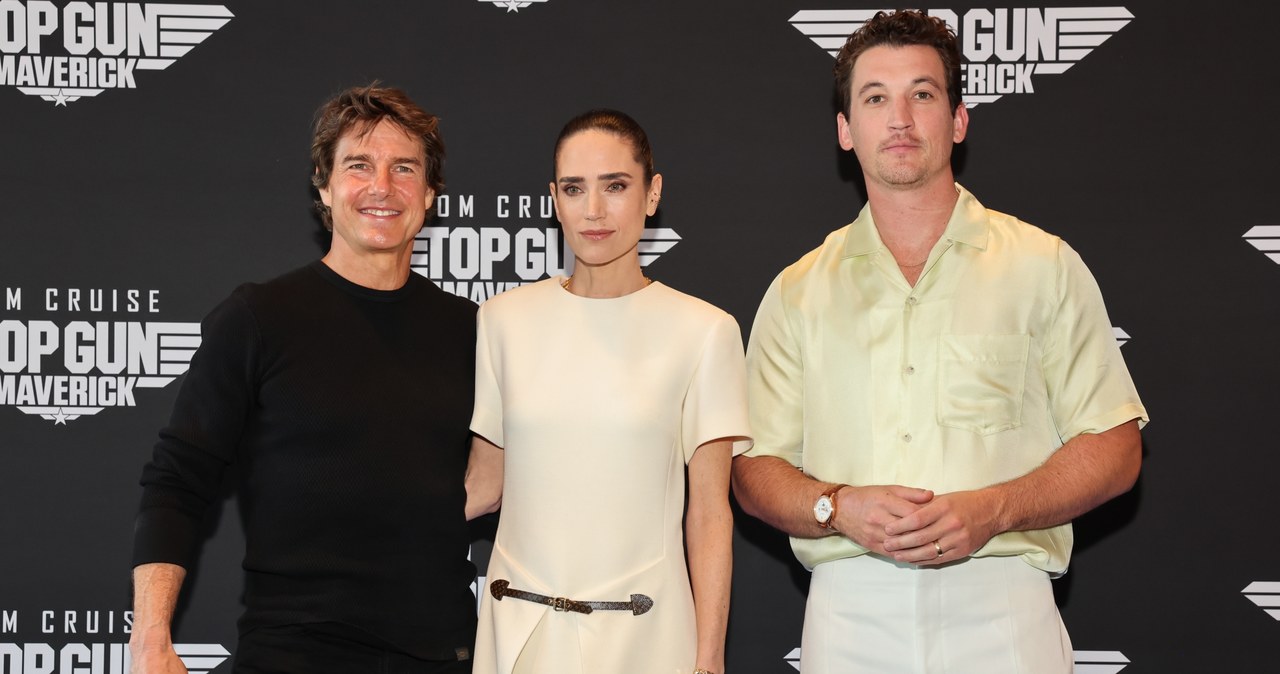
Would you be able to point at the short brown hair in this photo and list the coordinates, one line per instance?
(360, 109)
(902, 28)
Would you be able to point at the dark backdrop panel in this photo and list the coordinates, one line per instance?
(1152, 155)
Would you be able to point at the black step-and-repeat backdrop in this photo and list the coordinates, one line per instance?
(153, 156)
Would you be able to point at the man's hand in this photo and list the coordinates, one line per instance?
(1086, 471)
(959, 523)
(864, 514)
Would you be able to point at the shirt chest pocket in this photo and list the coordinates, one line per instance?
(981, 380)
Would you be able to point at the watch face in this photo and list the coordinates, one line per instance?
(822, 509)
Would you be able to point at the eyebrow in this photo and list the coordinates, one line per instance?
(603, 176)
(924, 79)
(397, 160)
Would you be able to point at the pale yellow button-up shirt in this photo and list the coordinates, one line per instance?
(1001, 353)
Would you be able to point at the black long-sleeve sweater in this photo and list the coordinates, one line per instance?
(349, 411)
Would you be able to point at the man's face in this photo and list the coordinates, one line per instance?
(899, 122)
(377, 192)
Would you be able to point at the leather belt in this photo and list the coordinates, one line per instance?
(639, 604)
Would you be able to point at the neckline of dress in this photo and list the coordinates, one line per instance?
(559, 281)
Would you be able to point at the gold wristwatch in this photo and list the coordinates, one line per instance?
(824, 509)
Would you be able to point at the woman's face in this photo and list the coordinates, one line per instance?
(601, 197)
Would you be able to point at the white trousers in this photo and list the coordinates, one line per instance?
(992, 615)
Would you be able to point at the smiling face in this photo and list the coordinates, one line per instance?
(601, 198)
(377, 192)
(899, 121)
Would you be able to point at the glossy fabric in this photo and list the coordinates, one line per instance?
(1001, 353)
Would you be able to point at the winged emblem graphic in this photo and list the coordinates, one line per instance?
(1062, 35)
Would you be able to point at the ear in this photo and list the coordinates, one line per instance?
(960, 121)
(655, 194)
(555, 199)
(430, 199)
(843, 132)
(325, 196)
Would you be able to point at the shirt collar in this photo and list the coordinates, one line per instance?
(968, 225)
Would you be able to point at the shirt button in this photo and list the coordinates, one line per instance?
(906, 437)
(911, 300)
(910, 369)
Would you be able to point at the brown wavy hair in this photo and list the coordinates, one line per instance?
(359, 109)
(905, 27)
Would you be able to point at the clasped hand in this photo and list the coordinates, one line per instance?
(904, 523)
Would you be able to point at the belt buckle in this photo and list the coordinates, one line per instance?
(560, 604)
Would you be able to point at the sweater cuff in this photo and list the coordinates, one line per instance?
(164, 535)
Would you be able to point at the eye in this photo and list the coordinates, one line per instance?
(616, 187)
(877, 98)
(571, 190)
(924, 95)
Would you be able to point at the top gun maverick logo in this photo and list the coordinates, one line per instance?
(63, 370)
(63, 54)
(480, 262)
(1004, 47)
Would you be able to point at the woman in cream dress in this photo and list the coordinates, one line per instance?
(595, 395)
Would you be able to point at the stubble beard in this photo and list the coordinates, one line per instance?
(900, 175)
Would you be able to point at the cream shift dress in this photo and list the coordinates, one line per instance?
(598, 405)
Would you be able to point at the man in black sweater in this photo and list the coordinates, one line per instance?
(344, 390)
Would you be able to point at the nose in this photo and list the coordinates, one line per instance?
(595, 205)
(900, 114)
(380, 185)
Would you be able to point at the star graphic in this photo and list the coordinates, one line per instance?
(512, 6)
(60, 99)
(60, 418)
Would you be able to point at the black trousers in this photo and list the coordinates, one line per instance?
(300, 649)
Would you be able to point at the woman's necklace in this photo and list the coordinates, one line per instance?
(569, 281)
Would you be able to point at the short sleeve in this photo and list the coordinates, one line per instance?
(1090, 390)
(715, 405)
(486, 418)
(775, 381)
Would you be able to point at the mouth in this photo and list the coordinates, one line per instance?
(596, 234)
(379, 212)
(900, 144)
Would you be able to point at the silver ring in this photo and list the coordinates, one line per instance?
(938, 548)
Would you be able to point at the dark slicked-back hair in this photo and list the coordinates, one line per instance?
(358, 110)
(905, 27)
(617, 123)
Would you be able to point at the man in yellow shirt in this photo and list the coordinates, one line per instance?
(946, 380)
